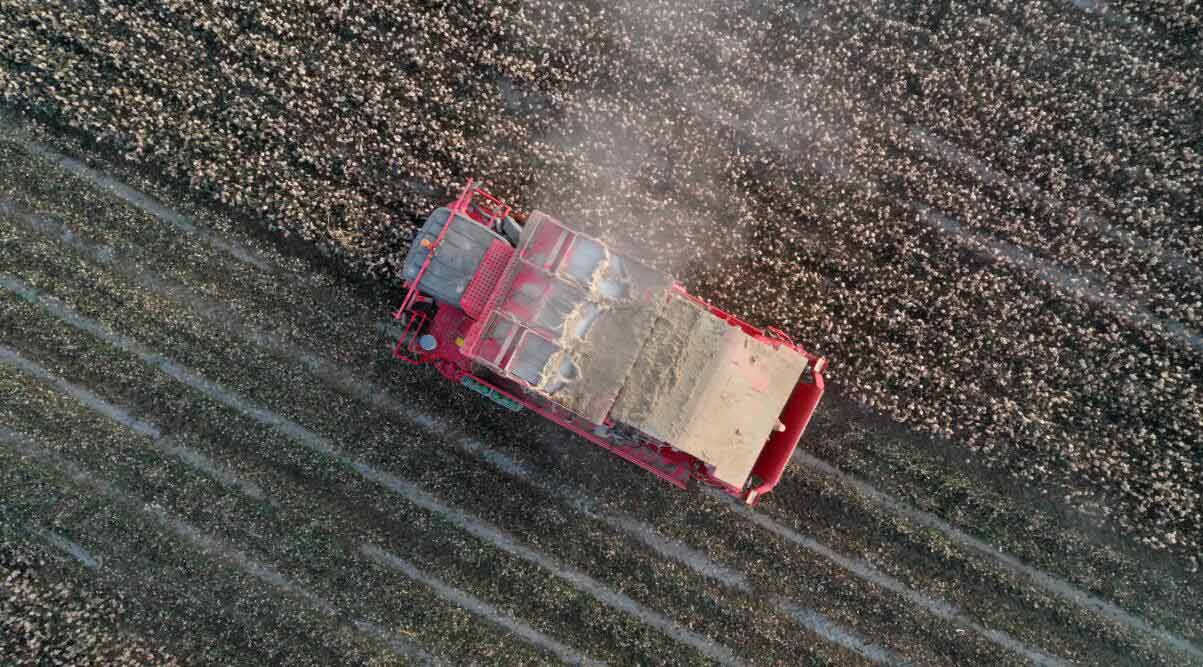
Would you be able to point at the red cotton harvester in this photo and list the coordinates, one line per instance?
(541, 317)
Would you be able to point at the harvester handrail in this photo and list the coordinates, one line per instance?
(403, 348)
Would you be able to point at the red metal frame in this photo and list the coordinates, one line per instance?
(456, 332)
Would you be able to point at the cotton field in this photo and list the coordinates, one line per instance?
(989, 218)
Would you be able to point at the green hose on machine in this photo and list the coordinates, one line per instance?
(491, 394)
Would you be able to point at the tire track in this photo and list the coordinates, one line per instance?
(1054, 585)
(479, 607)
(317, 443)
(207, 544)
(107, 410)
(819, 624)
(168, 445)
(75, 551)
(864, 570)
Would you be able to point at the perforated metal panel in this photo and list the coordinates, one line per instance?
(476, 297)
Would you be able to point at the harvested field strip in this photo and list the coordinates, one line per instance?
(578, 579)
(341, 378)
(1009, 518)
(54, 612)
(58, 208)
(181, 592)
(215, 548)
(641, 531)
(166, 251)
(266, 539)
(868, 572)
(905, 554)
(185, 454)
(703, 565)
(476, 606)
(784, 572)
(145, 204)
(669, 548)
(268, 417)
(312, 442)
(924, 548)
(897, 548)
(1049, 583)
(321, 446)
(485, 485)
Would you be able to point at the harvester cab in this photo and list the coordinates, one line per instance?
(541, 317)
(456, 241)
